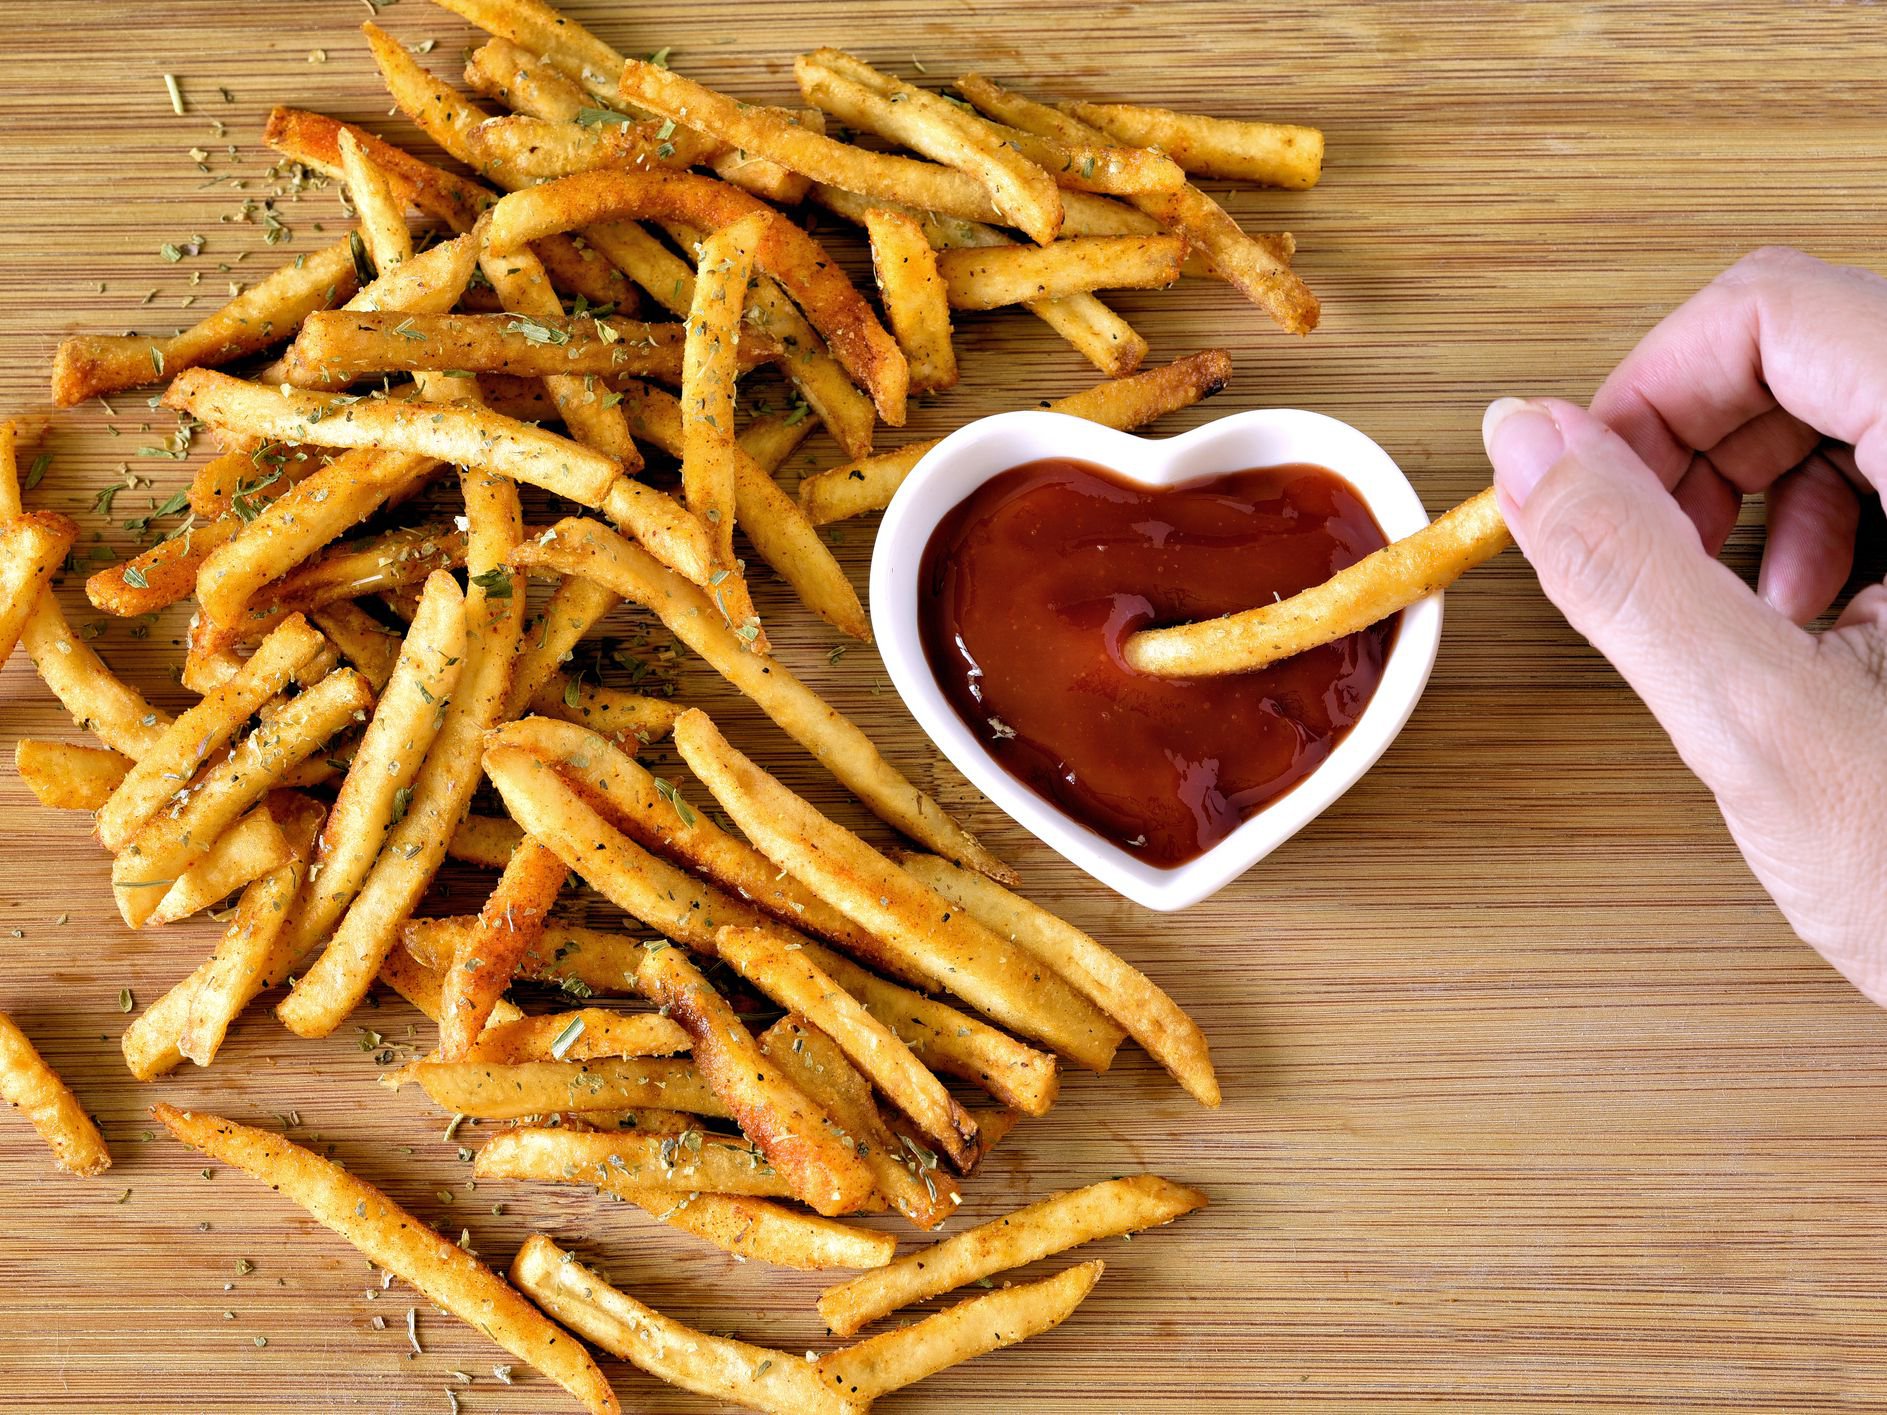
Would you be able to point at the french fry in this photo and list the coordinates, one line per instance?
(797, 1137)
(1107, 980)
(527, 149)
(1252, 266)
(1041, 1230)
(69, 777)
(1378, 585)
(241, 855)
(314, 140)
(152, 859)
(32, 545)
(27, 1082)
(585, 1035)
(1271, 154)
(815, 1063)
(98, 699)
(690, 1163)
(951, 951)
(485, 840)
(993, 276)
(774, 525)
(582, 547)
(1124, 403)
(157, 578)
(512, 919)
(770, 438)
(614, 712)
(424, 985)
(494, 1092)
(725, 1370)
(395, 1240)
(915, 298)
(363, 641)
(542, 29)
(172, 761)
(89, 364)
(467, 436)
(786, 975)
(577, 607)
(895, 1359)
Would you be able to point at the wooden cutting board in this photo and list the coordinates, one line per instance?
(1532, 1099)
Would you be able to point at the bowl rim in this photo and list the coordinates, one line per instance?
(952, 469)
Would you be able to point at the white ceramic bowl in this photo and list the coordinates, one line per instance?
(1269, 437)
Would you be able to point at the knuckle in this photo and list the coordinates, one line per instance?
(1594, 556)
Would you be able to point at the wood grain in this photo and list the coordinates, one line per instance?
(1533, 1102)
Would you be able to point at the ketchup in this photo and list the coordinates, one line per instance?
(1030, 586)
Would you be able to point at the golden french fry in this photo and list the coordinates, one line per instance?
(953, 952)
(363, 641)
(157, 578)
(614, 712)
(577, 607)
(32, 545)
(394, 1239)
(314, 140)
(424, 985)
(689, 1163)
(915, 298)
(509, 1092)
(1124, 403)
(244, 853)
(485, 840)
(68, 777)
(89, 364)
(577, 345)
(26, 1081)
(987, 278)
(1107, 980)
(896, 1359)
(583, 547)
(544, 30)
(172, 761)
(98, 699)
(1271, 154)
(511, 921)
(584, 1035)
(168, 844)
(1049, 1226)
(725, 1370)
(770, 438)
(797, 1137)
(1378, 585)
(784, 973)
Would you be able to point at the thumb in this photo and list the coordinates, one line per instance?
(1623, 563)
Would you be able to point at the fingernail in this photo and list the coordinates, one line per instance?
(1522, 441)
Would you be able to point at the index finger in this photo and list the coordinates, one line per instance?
(1777, 329)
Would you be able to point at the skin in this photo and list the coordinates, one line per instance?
(1772, 380)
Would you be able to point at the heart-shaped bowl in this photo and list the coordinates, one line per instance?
(1268, 437)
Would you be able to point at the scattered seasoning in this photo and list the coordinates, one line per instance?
(38, 470)
(596, 117)
(176, 95)
(567, 1038)
(124, 1196)
(244, 1267)
(452, 1127)
(836, 653)
(452, 1400)
(125, 1002)
(261, 1341)
(412, 1329)
(502, 1374)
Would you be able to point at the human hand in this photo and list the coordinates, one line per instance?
(1772, 379)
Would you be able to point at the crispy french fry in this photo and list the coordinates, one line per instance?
(725, 1370)
(510, 1092)
(241, 855)
(98, 699)
(485, 840)
(585, 1035)
(577, 345)
(690, 1163)
(1378, 585)
(363, 641)
(511, 921)
(1271, 154)
(915, 298)
(172, 761)
(797, 1137)
(784, 973)
(577, 607)
(1049, 1226)
(26, 1081)
(424, 985)
(953, 952)
(89, 364)
(1107, 980)
(69, 777)
(770, 438)
(168, 844)
(895, 1359)
(314, 139)
(987, 278)
(582, 547)
(394, 1239)
(157, 578)
(869, 485)
(526, 149)
(542, 29)
(32, 545)
(614, 712)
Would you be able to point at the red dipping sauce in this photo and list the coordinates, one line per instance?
(1029, 587)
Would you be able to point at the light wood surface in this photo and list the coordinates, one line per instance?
(1532, 1100)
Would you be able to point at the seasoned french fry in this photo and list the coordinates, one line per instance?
(244, 853)
(98, 699)
(485, 840)
(157, 578)
(172, 761)
(89, 364)
(511, 921)
(1049, 1226)
(1378, 585)
(394, 1239)
(424, 985)
(952, 951)
(526, 149)
(914, 295)
(1107, 980)
(689, 1163)
(1271, 154)
(582, 547)
(168, 844)
(585, 1035)
(542, 29)
(68, 777)
(770, 438)
(314, 139)
(614, 712)
(364, 641)
(796, 983)
(797, 1137)
(1124, 403)
(895, 1359)
(987, 278)
(725, 1370)
(576, 608)
(26, 1081)
(509, 1092)
(32, 545)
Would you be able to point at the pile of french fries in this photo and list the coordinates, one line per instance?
(354, 694)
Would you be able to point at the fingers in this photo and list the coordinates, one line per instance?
(1762, 449)
(1778, 329)
(1814, 515)
(1867, 610)
(1624, 564)
(1711, 503)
